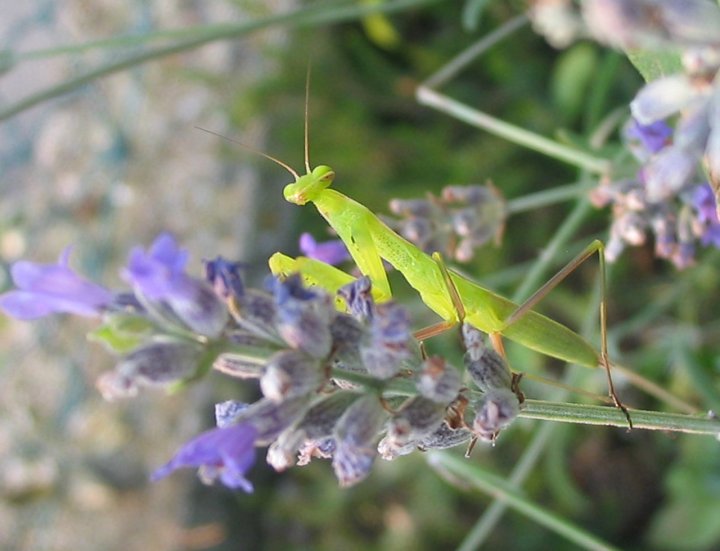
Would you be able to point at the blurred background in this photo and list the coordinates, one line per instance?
(114, 161)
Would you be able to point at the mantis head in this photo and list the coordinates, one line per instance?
(308, 187)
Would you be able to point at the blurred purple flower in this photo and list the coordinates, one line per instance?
(304, 317)
(331, 252)
(225, 278)
(652, 137)
(158, 275)
(44, 289)
(225, 453)
(668, 173)
(665, 96)
(703, 199)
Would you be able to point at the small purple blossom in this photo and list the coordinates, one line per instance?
(225, 278)
(703, 199)
(225, 453)
(304, 317)
(44, 289)
(651, 137)
(158, 275)
(385, 344)
(331, 252)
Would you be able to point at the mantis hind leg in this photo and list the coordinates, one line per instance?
(595, 247)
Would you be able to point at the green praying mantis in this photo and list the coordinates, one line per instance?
(453, 297)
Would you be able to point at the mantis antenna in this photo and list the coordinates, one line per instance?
(307, 118)
(257, 152)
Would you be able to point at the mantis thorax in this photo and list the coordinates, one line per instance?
(308, 187)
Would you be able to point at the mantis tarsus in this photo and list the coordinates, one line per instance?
(370, 241)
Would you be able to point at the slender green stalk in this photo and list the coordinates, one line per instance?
(427, 94)
(613, 417)
(511, 132)
(521, 470)
(193, 38)
(546, 197)
(501, 490)
(467, 56)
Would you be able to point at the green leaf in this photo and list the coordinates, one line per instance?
(653, 65)
(472, 14)
(122, 333)
(573, 74)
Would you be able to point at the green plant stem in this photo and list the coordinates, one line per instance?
(309, 16)
(521, 470)
(467, 56)
(427, 94)
(613, 417)
(511, 132)
(468, 474)
(546, 197)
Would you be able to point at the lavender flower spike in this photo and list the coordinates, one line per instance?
(225, 453)
(44, 289)
(331, 252)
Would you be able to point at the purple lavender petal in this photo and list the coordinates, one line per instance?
(225, 278)
(703, 199)
(712, 149)
(159, 275)
(694, 22)
(668, 173)
(166, 251)
(45, 289)
(661, 98)
(653, 137)
(693, 127)
(159, 272)
(225, 453)
(331, 252)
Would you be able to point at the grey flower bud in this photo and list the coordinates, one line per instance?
(355, 434)
(439, 381)
(418, 417)
(497, 409)
(155, 364)
(445, 437)
(291, 373)
(486, 367)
